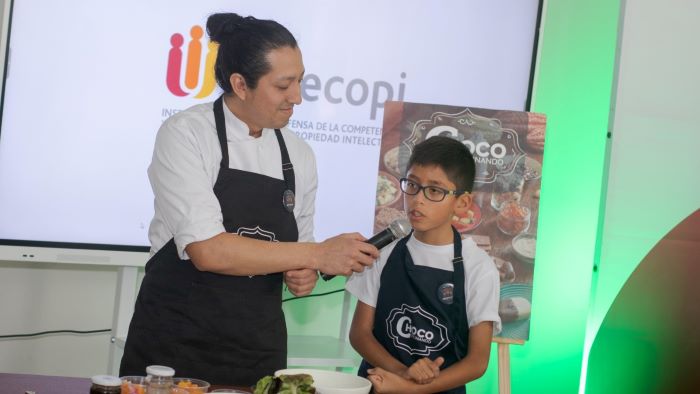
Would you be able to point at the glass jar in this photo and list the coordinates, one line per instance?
(106, 384)
(159, 379)
(508, 187)
(513, 218)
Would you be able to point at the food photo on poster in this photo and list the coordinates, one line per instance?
(507, 147)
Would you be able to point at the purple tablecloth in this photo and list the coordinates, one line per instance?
(13, 383)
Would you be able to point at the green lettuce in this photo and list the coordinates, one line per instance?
(285, 384)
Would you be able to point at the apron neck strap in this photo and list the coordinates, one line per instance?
(287, 167)
(459, 276)
(221, 129)
(457, 243)
(219, 120)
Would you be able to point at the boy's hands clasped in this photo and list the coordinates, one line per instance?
(345, 254)
(423, 371)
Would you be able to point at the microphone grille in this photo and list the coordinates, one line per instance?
(400, 227)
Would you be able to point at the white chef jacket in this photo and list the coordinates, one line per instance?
(185, 166)
(481, 282)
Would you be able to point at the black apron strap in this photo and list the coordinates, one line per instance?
(287, 167)
(459, 296)
(288, 197)
(221, 129)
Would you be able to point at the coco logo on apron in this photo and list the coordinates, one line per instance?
(416, 331)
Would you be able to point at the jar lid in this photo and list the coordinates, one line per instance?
(106, 380)
(160, 370)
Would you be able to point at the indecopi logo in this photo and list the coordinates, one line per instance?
(191, 72)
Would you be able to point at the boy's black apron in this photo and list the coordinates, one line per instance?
(421, 310)
(223, 329)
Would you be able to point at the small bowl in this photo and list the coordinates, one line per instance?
(506, 273)
(513, 218)
(388, 189)
(191, 386)
(524, 247)
(472, 221)
(332, 382)
(391, 161)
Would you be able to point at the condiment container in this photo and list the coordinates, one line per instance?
(159, 379)
(106, 384)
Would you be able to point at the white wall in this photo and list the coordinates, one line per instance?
(653, 181)
(40, 297)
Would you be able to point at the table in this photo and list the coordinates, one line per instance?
(12, 383)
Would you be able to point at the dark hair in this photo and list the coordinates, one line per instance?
(243, 46)
(450, 155)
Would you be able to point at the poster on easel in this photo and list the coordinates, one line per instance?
(507, 147)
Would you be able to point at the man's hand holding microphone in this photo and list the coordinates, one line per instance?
(343, 255)
(370, 250)
(339, 255)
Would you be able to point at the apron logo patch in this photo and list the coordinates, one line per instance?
(288, 200)
(257, 233)
(416, 331)
(445, 293)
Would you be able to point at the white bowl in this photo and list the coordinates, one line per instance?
(332, 382)
(524, 247)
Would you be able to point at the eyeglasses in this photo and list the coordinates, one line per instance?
(432, 193)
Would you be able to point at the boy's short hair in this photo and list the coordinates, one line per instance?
(450, 155)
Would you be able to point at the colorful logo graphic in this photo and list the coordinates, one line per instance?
(183, 85)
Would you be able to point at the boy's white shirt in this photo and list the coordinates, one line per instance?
(481, 284)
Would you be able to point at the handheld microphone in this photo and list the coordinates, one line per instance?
(399, 228)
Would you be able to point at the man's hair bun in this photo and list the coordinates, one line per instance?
(225, 24)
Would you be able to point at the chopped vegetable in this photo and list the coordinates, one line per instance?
(285, 384)
(132, 388)
(191, 388)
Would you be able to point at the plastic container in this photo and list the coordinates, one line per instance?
(105, 384)
(159, 379)
(133, 384)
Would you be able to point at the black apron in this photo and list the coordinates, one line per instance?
(421, 310)
(227, 330)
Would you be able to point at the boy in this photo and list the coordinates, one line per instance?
(428, 307)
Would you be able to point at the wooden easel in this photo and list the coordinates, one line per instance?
(504, 362)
